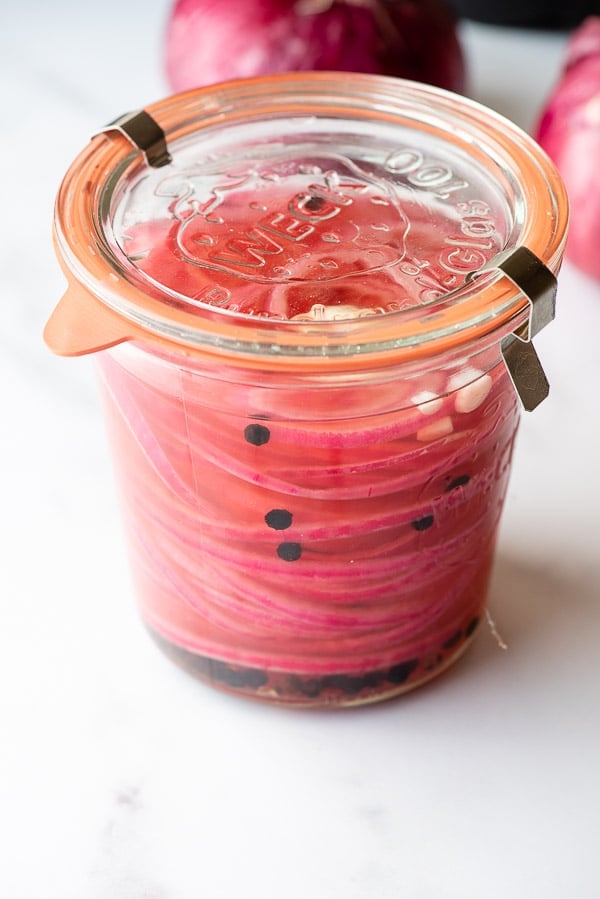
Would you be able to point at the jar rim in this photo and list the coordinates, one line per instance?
(481, 309)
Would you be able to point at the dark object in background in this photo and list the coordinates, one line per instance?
(528, 13)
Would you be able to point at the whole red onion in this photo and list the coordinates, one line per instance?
(213, 40)
(569, 131)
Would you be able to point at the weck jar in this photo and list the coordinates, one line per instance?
(311, 299)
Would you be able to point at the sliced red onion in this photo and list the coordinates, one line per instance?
(569, 131)
(214, 40)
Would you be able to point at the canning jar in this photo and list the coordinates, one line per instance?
(311, 298)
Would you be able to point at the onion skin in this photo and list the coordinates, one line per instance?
(214, 40)
(569, 131)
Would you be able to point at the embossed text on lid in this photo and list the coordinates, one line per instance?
(322, 226)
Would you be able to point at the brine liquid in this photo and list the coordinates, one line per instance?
(336, 560)
(301, 540)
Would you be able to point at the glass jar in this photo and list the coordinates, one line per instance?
(304, 321)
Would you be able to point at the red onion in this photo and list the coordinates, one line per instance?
(569, 131)
(213, 40)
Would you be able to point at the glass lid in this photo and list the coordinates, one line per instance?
(311, 215)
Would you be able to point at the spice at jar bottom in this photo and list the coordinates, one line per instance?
(311, 297)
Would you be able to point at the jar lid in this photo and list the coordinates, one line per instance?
(303, 217)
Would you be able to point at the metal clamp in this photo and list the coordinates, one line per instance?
(538, 285)
(145, 134)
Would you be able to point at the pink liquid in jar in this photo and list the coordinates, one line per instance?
(296, 539)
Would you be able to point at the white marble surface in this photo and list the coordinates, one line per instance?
(120, 777)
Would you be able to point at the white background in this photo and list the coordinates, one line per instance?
(122, 778)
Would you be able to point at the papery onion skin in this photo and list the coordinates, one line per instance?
(214, 40)
(569, 131)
